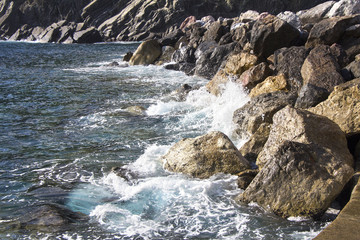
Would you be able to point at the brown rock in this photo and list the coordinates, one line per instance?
(245, 178)
(304, 165)
(146, 53)
(187, 22)
(254, 75)
(236, 64)
(343, 107)
(270, 84)
(204, 156)
(321, 69)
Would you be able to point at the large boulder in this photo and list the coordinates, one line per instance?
(237, 63)
(344, 8)
(209, 62)
(259, 110)
(215, 31)
(327, 31)
(270, 84)
(321, 69)
(310, 96)
(343, 107)
(304, 165)
(146, 53)
(289, 61)
(204, 156)
(89, 35)
(254, 75)
(315, 14)
(271, 33)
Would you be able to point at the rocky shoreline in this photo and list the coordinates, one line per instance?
(302, 73)
(301, 69)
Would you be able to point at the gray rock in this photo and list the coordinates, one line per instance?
(316, 13)
(89, 35)
(310, 96)
(344, 8)
(204, 156)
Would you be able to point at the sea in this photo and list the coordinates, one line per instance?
(68, 118)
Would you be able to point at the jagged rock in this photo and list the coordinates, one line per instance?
(172, 38)
(354, 69)
(90, 35)
(289, 61)
(260, 110)
(236, 64)
(327, 31)
(127, 56)
(215, 31)
(209, 62)
(339, 53)
(204, 156)
(245, 178)
(316, 13)
(217, 83)
(184, 54)
(181, 93)
(187, 68)
(241, 32)
(304, 164)
(254, 75)
(344, 8)
(310, 96)
(290, 18)
(195, 34)
(52, 33)
(321, 69)
(146, 53)
(205, 46)
(166, 55)
(343, 107)
(248, 16)
(251, 149)
(266, 30)
(187, 22)
(270, 84)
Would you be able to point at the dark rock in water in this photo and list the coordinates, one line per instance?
(50, 218)
(187, 68)
(271, 33)
(166, 55)
(321, 69)
(289, 61)
(184, 54)
(127, 56)
(172, 66)
(209, 62)
(90, 35)
(113, 64)
(304, 165)
(125, 173)
(310, 96)
(181, 93)
(259, 110)
(204, 156)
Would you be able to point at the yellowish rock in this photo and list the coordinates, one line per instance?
(239, 63)
(146, 53)
(270, 84)
(343, 107)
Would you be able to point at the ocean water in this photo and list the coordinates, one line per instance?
(65, 124)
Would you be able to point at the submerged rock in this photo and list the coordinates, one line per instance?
(204, 156)
(304, 164)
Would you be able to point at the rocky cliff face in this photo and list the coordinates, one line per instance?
(124, 19)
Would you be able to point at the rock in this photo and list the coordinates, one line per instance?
(172, 38)
(184, 54)
(166, 55)
(304, 165)
(260, 110)
(241, 32)
(345, 225)
(248, 16)
(113, 64)
(310, 96)
(172, 66)
(327, 31)
(218, 82)
(270, 84)
(208, 63)
(127, 56)
(245, 178)
(136, 110)
(187, 22)
(290, 18)
(89, 35)
(289, 61)
(321, 69)
(343, 107)
(204, 156)
(344, 8)
(50, 218)
(205, 46)
(236, 64)
(215, 31)
(251, 149)
(181, 93)
(22, 33)
(254, 75)
(187, 68)
(52, 33)
(354, 69)
(316, 13)
(146, 53)
(208, 19)
(271, 33)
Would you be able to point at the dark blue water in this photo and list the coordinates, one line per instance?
(65, 123)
